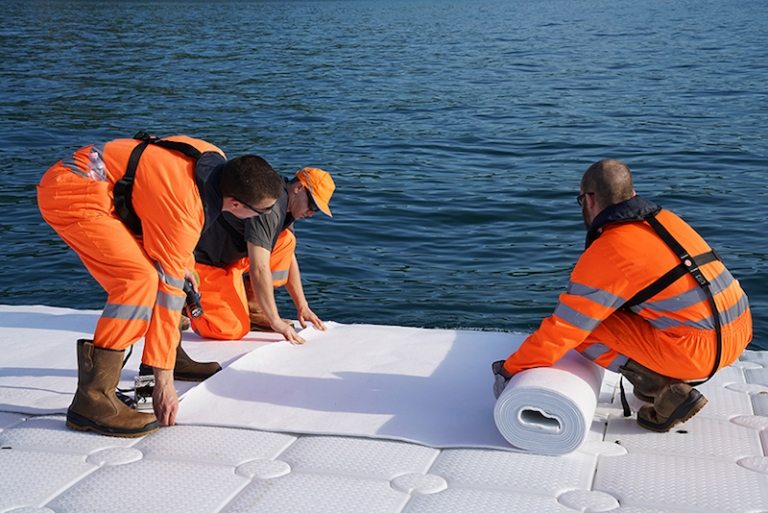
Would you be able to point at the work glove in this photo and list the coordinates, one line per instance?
(500, 377)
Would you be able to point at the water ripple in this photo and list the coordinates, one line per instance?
(457, 133)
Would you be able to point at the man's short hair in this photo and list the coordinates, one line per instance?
(610, 181)
(251, 179)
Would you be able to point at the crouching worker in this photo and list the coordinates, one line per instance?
(264, 248)
(140, 250)
(648, 298)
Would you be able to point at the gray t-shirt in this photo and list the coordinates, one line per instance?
(224, 243)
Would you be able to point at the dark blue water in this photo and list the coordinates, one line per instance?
(457, 132)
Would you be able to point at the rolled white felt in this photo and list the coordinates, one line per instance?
(549, 410)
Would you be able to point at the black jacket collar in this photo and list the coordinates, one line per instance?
(633, 210)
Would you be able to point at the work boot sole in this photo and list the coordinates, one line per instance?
(189, 378)
(181, 376)
(80, 423)
(690, 407)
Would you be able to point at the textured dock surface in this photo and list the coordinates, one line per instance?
(715, 463)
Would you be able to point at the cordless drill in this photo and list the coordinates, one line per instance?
(192, 304)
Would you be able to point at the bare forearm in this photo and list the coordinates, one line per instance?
(261, 282)
(294, 287)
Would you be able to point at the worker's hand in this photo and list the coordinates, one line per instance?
(164, 398)
(194, 278)
(287, 331)
(500, 377)
(305, 314)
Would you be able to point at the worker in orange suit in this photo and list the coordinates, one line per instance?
(648, 298)
(262, 248)
(133, 210)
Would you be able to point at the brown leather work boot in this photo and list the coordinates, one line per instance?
(675, 404)
(187, 369)
(95, 406)
(646, 383)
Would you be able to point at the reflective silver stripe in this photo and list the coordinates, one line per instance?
(667, 322)
(170, 280)
(676, 303)
(174, 303)
(127, 312)
(733, 313)
(599, 296)
(707, 323)
(691, 297)
(596, 350)
(617, 362)
(576, 318)
(174, 282)
(279, 275)
(722, 282)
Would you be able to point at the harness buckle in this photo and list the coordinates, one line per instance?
(144, 136)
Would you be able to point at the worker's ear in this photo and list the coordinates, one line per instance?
(229, 204)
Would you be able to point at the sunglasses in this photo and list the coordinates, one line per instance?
(580, 198)
(260, 211)
(311, 202)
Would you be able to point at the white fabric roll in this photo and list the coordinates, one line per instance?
(549, 410)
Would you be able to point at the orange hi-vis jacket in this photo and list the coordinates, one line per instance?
(143, 276)
(673, 332)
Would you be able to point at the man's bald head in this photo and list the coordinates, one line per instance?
(610, 181)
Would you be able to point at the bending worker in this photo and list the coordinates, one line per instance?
(264, 248)
(648, 298)
(140, 250)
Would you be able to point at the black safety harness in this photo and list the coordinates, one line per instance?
(688, 265)
(124, 187)
(638, 209)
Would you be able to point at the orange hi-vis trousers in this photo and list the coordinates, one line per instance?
(141, 301)
(624, 336)
(222, 292)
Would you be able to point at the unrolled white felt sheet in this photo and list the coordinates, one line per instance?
(38, 356)
(432, 387)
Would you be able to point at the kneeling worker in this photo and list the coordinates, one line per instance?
(139, 247)
(264, 247)
(648, 298)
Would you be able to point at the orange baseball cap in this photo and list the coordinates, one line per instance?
(320, 185)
